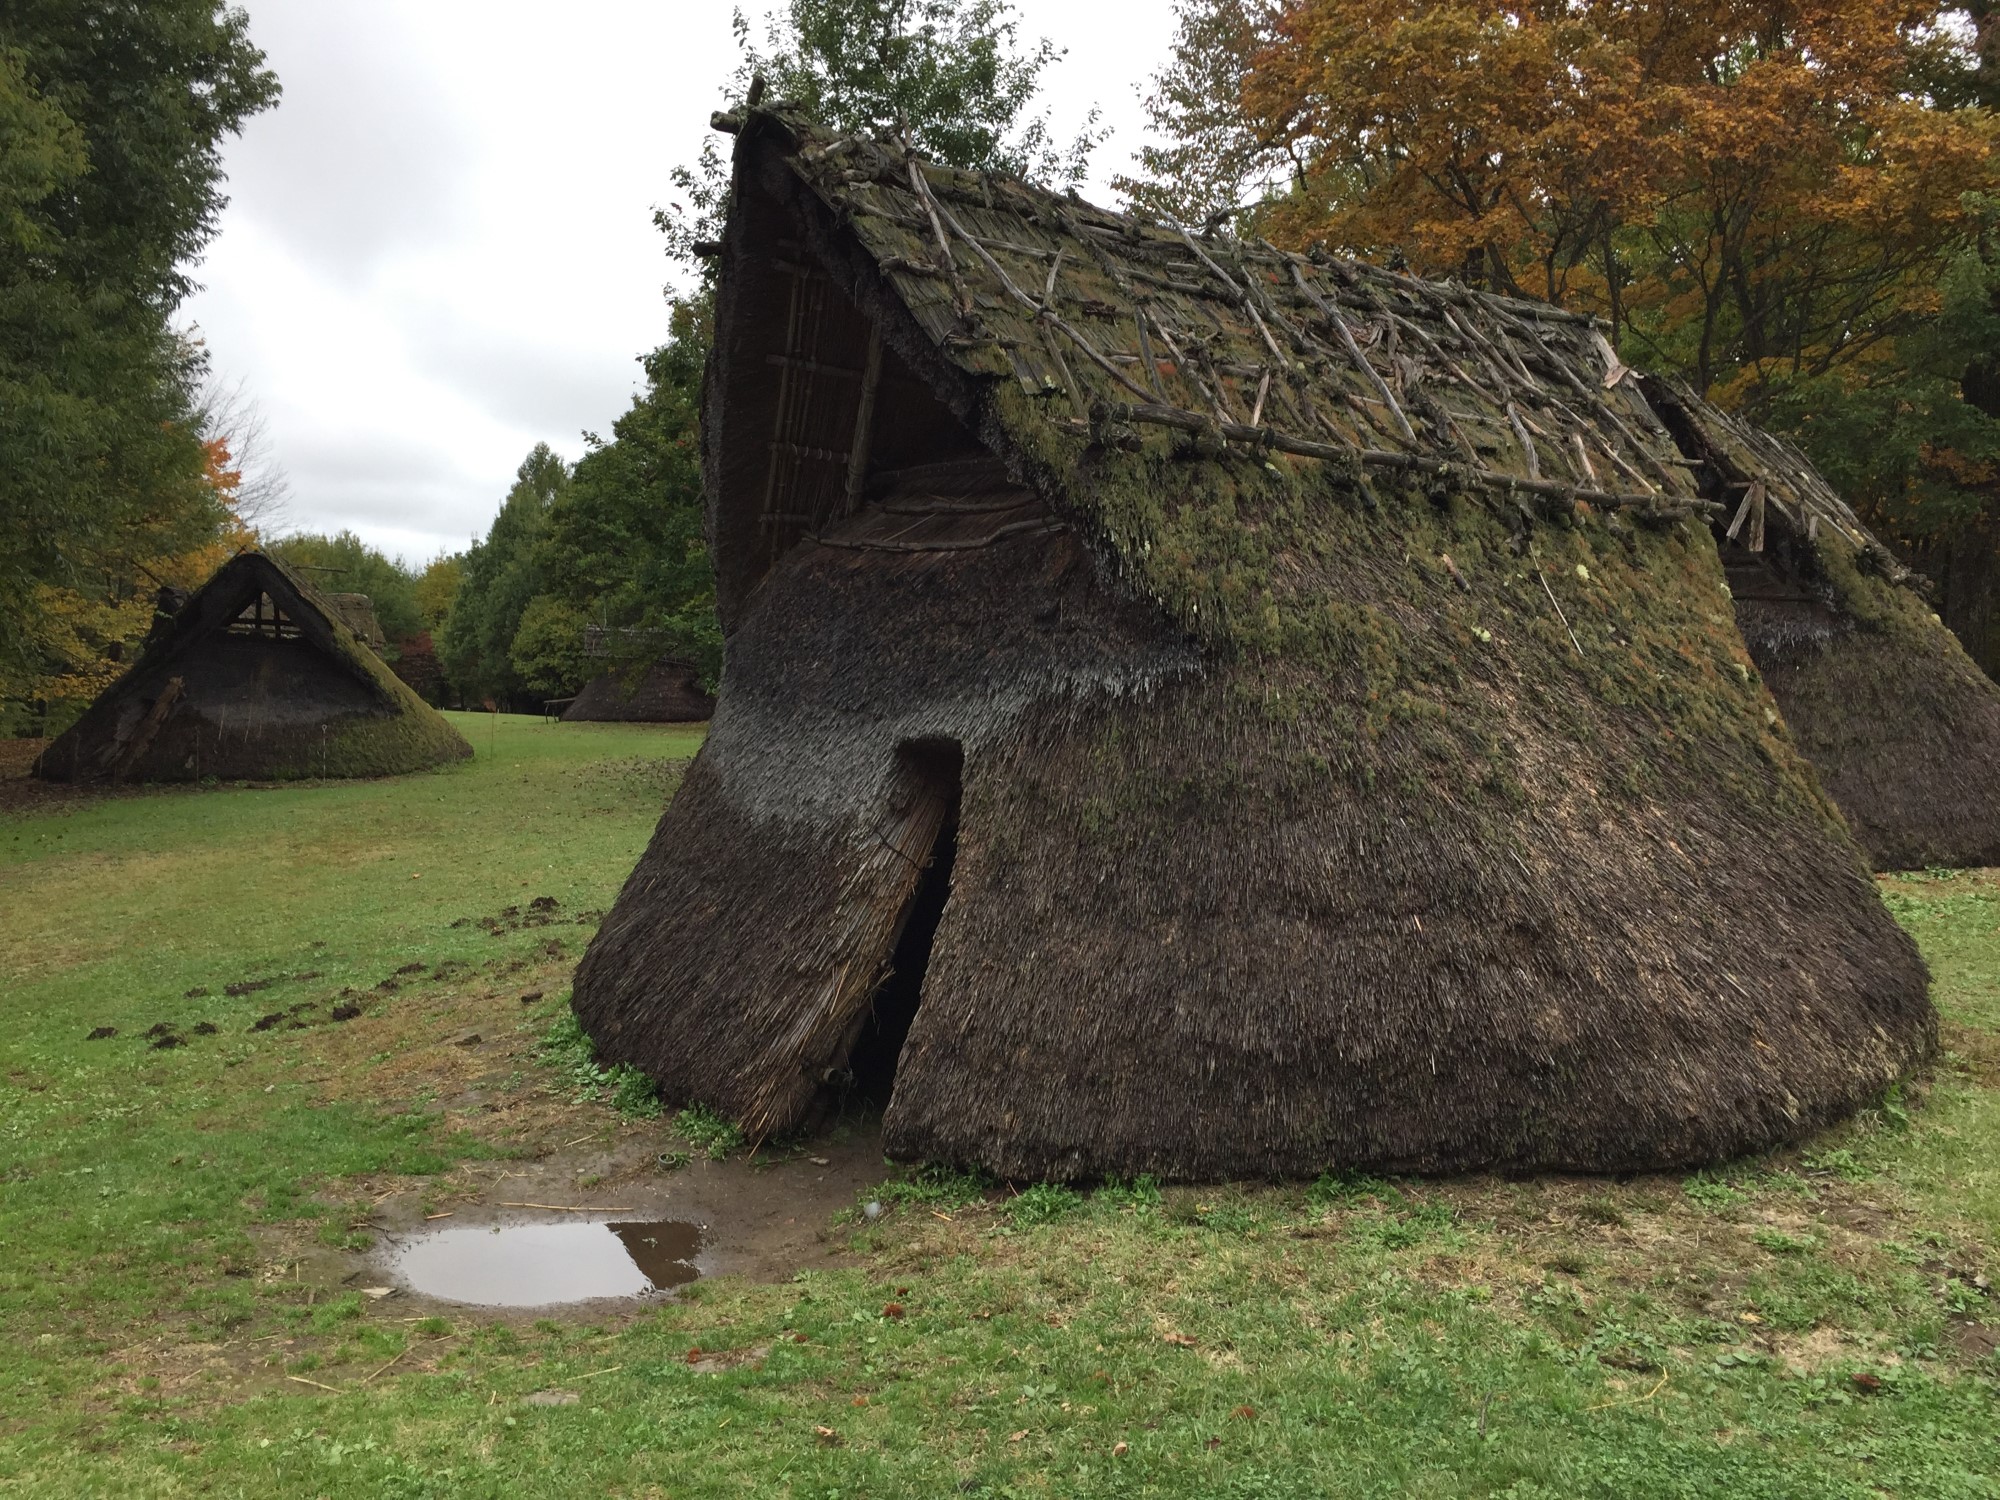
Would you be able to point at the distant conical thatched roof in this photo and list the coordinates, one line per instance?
(667, 690)
(1237, 713)
(1900, 723)
(255, 676)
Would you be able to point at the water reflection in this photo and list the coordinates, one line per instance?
(535, 1265)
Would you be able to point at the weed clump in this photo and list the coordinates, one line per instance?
(567, 1049)
(707, 1131)
(1044, 1203)
(933, 1186)
(1343, 1189)
(1713, 1194)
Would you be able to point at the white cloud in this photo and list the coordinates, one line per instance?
(440, 250)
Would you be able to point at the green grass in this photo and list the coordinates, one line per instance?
(1791, 1326)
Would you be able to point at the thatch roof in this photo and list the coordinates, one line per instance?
(1901, 724)
(668, 691)
(1327, 713)
(357, 613)
(256, 676)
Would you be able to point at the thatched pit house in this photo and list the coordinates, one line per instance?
(665, 690)
(254, 676)
(1196, 710)
(1900, 723)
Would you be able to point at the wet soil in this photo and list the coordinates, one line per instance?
(1973, 1339)
(764, 1217)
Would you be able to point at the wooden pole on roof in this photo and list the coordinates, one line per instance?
(864, 421)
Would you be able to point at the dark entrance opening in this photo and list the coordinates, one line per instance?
(936, 767)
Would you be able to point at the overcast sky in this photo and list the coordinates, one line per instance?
(439, 247)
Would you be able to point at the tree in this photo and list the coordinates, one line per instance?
(112, 117)
(625, 544)
(1740, 187)
(951, 74)
(90, 630)
(227, 411)
(548, 650)
(344, 564)
(501, 575)
(437, 586)
(1208, 157)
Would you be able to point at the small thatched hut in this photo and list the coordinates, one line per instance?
(254, 676)
(1901, 724)
(666, 690)
(1197, 710)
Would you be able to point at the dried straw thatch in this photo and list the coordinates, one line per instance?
(1900, 723)
(254, 676)
(667, 692)
(1306, 683)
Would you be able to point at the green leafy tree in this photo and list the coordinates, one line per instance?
(502, 575)
(436, 587)
(951, 74)
(112, 119)
(1914, 442)
(1207, 157)
(625, 542)
(344, 564)
(548, 649)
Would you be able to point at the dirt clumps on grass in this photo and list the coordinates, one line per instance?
(244, 987)
(541, 912)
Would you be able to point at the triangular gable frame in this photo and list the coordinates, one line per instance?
(214, 606)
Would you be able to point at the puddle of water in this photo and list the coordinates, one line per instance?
(535, 1265)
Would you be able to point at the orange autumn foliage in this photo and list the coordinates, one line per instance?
(87, 636)
(1744, 189)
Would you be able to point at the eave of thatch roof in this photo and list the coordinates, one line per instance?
(1057, 329)
(1900, 723)
(1767, 484)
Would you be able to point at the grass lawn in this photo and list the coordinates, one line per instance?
(1817, 1323)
